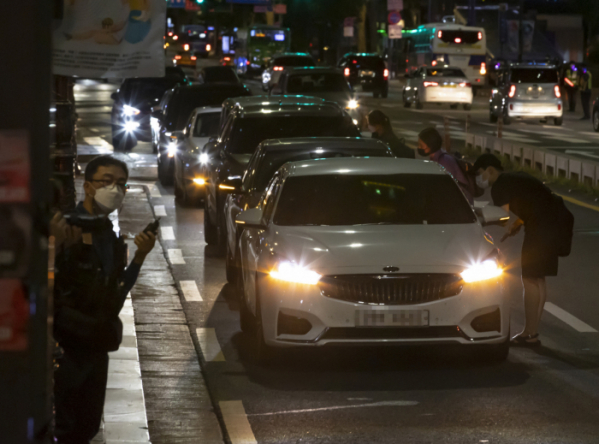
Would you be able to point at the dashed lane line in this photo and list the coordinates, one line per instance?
(175, 256)
(209, 344)
(167, 233)
(236, 422)
(190, 291)
(159, 211)
(569, 319)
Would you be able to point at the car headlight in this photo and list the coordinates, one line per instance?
(352, 104)
(130, 111)
(292, 272)
(171, 149)
(483, 271)
(130, 126)
(203, 158)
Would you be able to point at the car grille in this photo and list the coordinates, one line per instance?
(404, 289)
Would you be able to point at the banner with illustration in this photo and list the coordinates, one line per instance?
(110, 39)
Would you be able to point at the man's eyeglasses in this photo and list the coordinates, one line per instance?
(110, 182)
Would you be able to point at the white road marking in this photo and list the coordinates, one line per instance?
(97, 141)
(567, 139)
(154, 191)
(339, 407)
(569, 319)
(176, 257)
(160, 211)
(209, 345)
(167, 233)
(236, 422)
(190, 291)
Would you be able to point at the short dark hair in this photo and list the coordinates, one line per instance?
(102, 161)
(432, 138)
(378, 117)
(485, 161)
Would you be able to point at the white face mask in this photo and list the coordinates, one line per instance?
(481, 183)
(372, 129)
(109, 198)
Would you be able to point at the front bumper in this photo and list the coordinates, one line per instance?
(535, 109)
(336, 322)
(191, 172)
(438, 94)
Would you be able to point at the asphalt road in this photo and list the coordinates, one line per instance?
(394, 395)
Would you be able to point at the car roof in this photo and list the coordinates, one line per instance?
(291, 54)
(324, 143)
(310, 69)
(371, 165)
(363, 54)
(326, 109)
(270, 100)
(207, 109)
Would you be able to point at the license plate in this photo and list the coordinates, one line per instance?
(449, 86)
(391, 318)
(366, 73)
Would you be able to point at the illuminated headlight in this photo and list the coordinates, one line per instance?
(355, 122)
(291, 272)
(130, 111)
(199, 181)
(483, 271)
(171, 150)
(352, 104)
(265, 77)
(203, 158)
(130, 126)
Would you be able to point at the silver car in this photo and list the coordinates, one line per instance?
(527, 91)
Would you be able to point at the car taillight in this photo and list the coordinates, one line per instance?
(346, 72)
(559, 107)
(458, 40)
(194, 58)
(439, 34)
(177, 57)
(480, 35)
(483, 68)
(512, 92)
(186, 47)
(434, 63)
(465, 84)
(170, 34)
(175, 37)
(227, 59)
(427, 84)
(386, 73)
(557, 92)
(247, 62)
(278, 68)
(208, 47)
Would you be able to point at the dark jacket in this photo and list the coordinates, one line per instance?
(397, 146)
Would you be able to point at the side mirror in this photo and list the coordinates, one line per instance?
(492, 215)
(114, 96)
(210, 147)
(231, 184)
(180, 135)
(251, 218)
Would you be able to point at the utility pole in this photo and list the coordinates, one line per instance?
(520, 31)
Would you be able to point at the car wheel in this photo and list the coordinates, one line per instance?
(190, 201)
(596, 120)
(467, 106)
(117, 139)
(210, 229)
(419, 104)
(230, 266)
(496, 353)
(165, 173)
(506, 118)
(178, 191)
(385, 92)
(557, 121)
(453, 106)
(406, 104)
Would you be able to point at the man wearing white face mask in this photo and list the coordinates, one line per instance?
(92, 281)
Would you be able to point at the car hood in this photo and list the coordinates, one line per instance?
(368, 249)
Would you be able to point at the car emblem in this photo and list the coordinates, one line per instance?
(391, 269)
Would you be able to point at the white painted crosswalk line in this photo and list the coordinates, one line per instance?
(236, 422)
(97, 141)
(167, 233)
(154, 191)
(175, 256)
(160, 211)
(569, 319)
(190, 291)
(209, 345)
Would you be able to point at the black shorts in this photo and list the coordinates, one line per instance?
(539, 251)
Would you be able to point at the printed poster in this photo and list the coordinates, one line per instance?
(110, 39)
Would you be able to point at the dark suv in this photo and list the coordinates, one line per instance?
(132, 107)
(244, 130)
(368, 71)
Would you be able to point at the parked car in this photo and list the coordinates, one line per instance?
(438, 84)
(367, 71)
(527, 91)
(174, 115)
(276, 65)
(218, 74)
(267, 159)
(244, 130)
(327, 83)
(189, 163)
(133, 102)
(370, 251)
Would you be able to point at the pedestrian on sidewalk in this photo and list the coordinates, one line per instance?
(571, 85)
(92, 281)
(585, 83)
(540, 212)
(380, 126)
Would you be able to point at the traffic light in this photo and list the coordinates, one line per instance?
(199, 2)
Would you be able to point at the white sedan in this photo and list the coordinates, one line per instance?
(370, 251)
(438, 85)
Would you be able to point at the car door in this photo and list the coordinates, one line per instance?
(156, 121)
(213, 168)
(182, 154)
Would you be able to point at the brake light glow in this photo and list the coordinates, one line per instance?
(208, 47)
(227, 59)
(512, 92)
(186, 47)
(465, 84)
(458, 40)
(559, 107)
(386, 73)
(557, 92)
(434, 63)
(194, 58)
(278, 68)
(247, 62)
(483, 68)
(175, 37)
(439, 34)
(346, 72)
(427, 84)
(480, 35)
(170, 34)
(177, 57)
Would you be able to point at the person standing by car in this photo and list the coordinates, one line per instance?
(540, 212)
(586, 85)
(380, 126)
(570, 85)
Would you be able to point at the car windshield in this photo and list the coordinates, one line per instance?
(398, 199)
(219, 74)
(247, 133)
(294, 61)
(272, 161)
(445, 72)
(533, 75)
(367, 62)
(207, 125)
(317, 82)
(146, 90)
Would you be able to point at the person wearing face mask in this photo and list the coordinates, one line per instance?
(380, 127)
(540, 212)
(92, 280)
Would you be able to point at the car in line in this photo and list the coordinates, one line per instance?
(367, 71)
(267, 159)
(173, 115)
(189, 162)
(370, 251)
(132, 107)
(218, 74)
(327, 83)
(185, 58)
(279, 62)
(527, 91)
(244, 130)
(437, 84)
